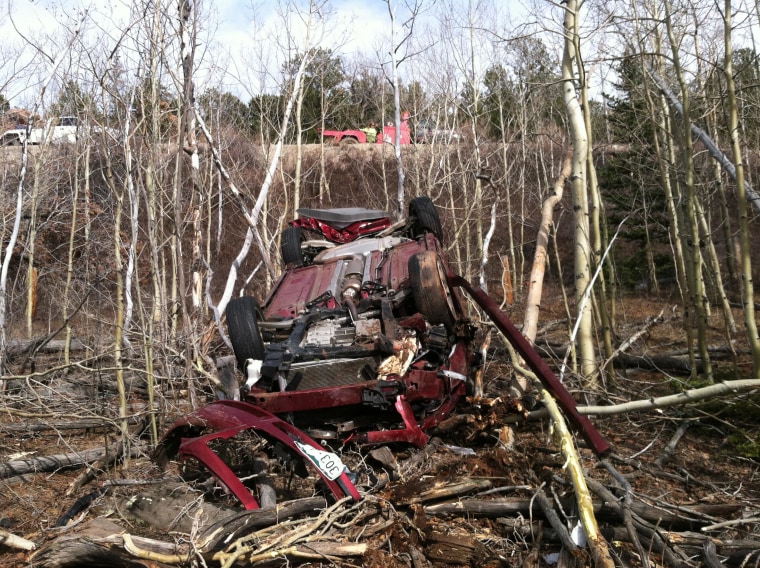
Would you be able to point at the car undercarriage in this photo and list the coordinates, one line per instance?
(358, 343)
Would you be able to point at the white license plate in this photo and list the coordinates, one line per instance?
(327, 462)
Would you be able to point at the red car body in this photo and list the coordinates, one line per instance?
(366, 342)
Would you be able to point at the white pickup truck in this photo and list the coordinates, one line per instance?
(61, 130)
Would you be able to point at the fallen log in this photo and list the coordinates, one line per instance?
(13, 541)
(178, 507)
(81, 548)
(679, 399)
(20, 346)
(693, 542)
(460, 550)
(652, 362)
(84, 424)
(445, 491)
(174, 507)
(230, 528)
(50, 463)
(508, 507)
(114, 454)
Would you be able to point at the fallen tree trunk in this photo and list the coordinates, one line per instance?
(715, 152)
(523, 506)
(447, 491)
(97, 543)
(85, 424)
(20, 346)
(686, 397)
(53, 463)
(662, 362)
(13, 541)
(50, 463)
(230, 528)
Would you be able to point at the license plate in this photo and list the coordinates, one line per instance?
(326, 462)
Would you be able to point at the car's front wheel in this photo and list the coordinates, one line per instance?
(430, 288)
(424, 217)
(290, 246)
(243, 328)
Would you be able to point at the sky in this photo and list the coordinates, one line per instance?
(240, 29)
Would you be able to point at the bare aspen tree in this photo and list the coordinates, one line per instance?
(540, 259)
(188, 26)
(401, 33)
(8, 253)
(598, 226)
(31, 270)
(469, 45)
(473, 79)
(440, 176)
(509, 261)
(748, 298)
(694, 264)
(122, 294)
(714, 118)
(582, 251)
(712, 264)
(150, 125)
(320, 34)
(70, 259)
(299, 148)
(252, 216)
(186, 145)
(665, 154)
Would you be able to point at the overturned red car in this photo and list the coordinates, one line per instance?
(363, 340)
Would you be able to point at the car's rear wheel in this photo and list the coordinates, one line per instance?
(349, 140)
(424, 217)
(243, 328)
(290, 246)
(431, 290)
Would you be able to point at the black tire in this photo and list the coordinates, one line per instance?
(430, 289)
(424, 217)
(349, 140)
(290, 246)
(243, 329)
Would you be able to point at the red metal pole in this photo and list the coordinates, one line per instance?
(565, 400)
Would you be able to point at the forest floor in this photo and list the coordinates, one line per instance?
(477, 495)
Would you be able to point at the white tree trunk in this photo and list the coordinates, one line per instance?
(6, 258)
(583, 261)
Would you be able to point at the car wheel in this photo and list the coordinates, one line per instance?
(243, 328)
(431, 290)
(349, 140)
(290, 246)
(424, 217)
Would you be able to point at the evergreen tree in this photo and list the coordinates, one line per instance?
(630, 179)
(524, 92)
(265, 114)
(72, 101)
(225, 109)
(325, 91)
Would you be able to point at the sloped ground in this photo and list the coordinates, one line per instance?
(476, 496)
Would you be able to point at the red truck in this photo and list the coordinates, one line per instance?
(387, 134)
